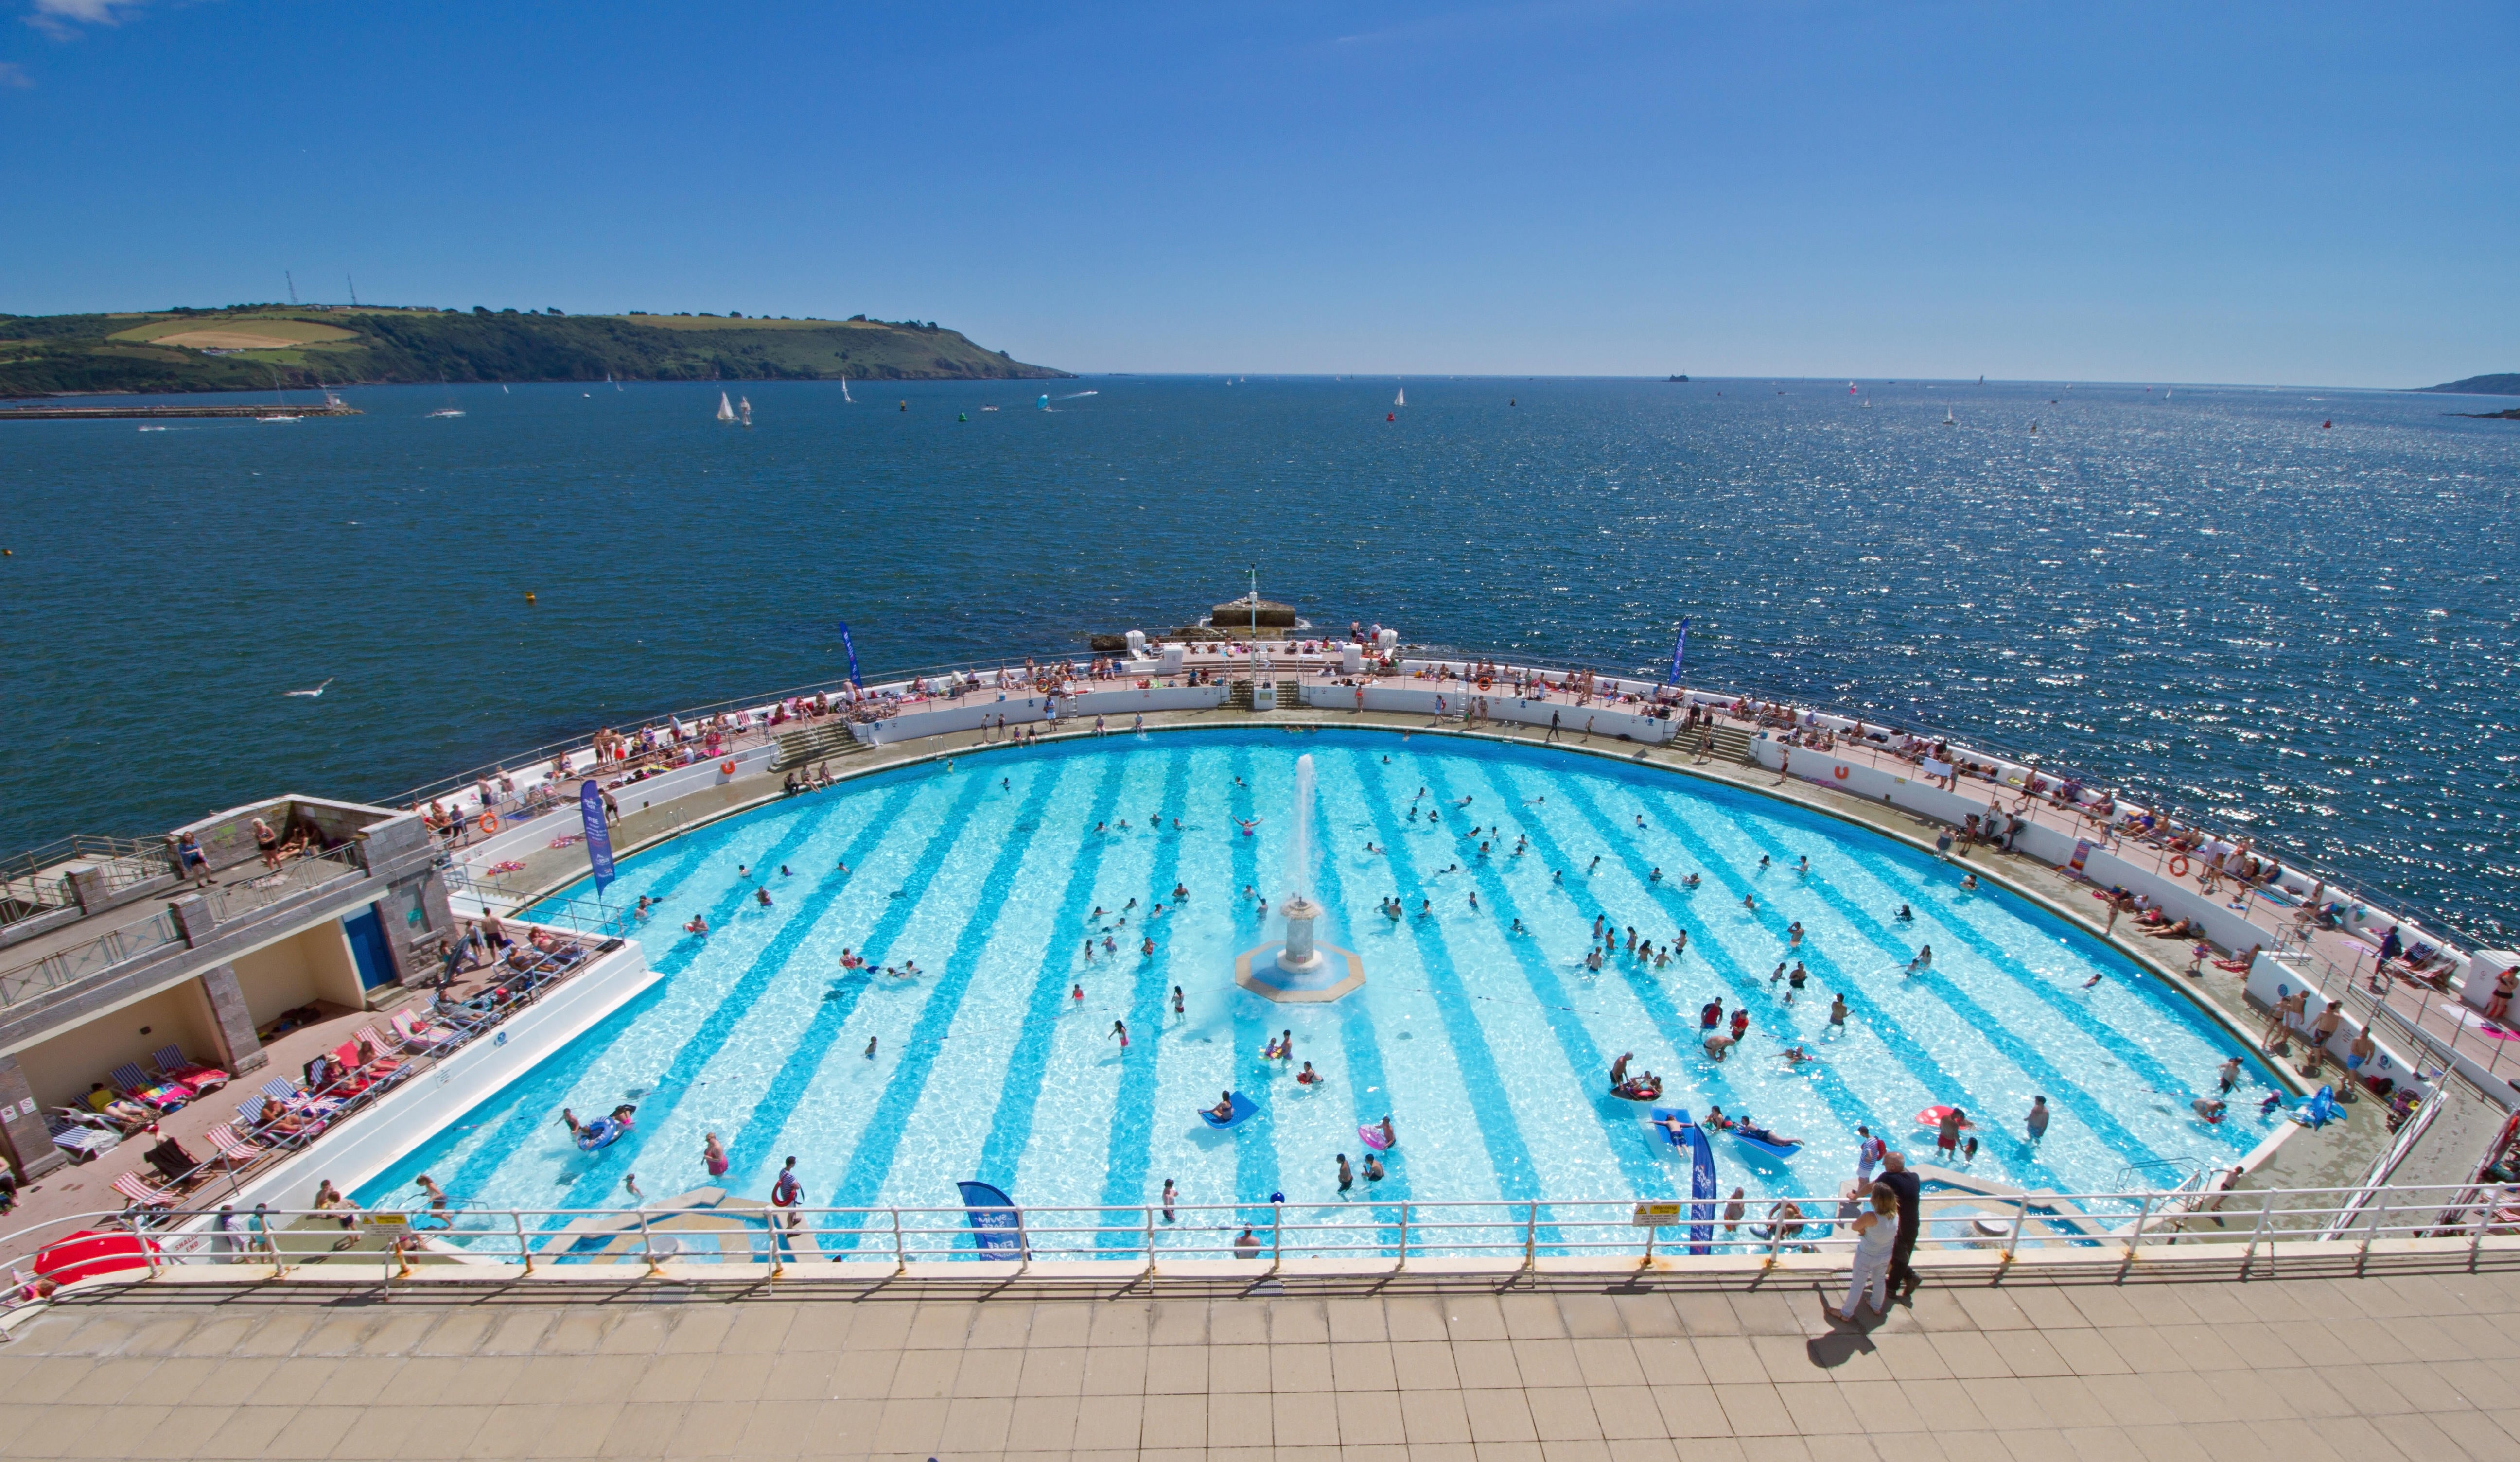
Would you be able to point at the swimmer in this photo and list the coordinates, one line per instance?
(1474, 901)
(2094, 980)
(1619, 1069)
(1390, 1138)
(1717, 1044)
(1689, 882)
(1517, 926)
(1373, 1169)
(1906, 915)
(2210, 1108)
(1923, 961)
(698, 925)
(1308, 1077)
(870, 1051)
(1657, 875)
(1148, 948)
(1969, 884)
(783, 871)
(845, 865)
(2229, 1075)
(763, 895)
(1795, 1056)
(630, 1184)
(1369, 847)
(1794, 935)
(1178, 1010)
(1641, 820)
(1594, 864)
(1837, 1010)
(1750, 901)
(1557, 875)
(1712, 1016)
(1248, 824)
(1968, 1151)
(1076, 996)
(1120, 1029)
(1762, 863)
(1223, 1111)
(1426, 906)
(1802, 866)
(1346, 1177)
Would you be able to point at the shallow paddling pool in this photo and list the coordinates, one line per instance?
(1488, 1048)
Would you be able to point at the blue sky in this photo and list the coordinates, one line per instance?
(2306, 194)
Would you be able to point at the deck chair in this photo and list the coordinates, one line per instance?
(234, 1151)
(419, 1035)
(80, 1141)
(388, 1066)
(173, 1066)
(142, 1194)
(158, 1097)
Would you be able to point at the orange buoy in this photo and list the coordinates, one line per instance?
(727, 767)
(529, 596)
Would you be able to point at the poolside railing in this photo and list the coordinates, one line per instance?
(1365, 1237)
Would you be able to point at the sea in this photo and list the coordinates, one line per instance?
(2290, 612)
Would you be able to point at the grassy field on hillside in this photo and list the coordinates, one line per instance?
(258, 346)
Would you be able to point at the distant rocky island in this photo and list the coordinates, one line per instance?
(255, 347)
(2479, 385)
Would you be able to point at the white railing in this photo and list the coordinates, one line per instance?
(1362, 1237)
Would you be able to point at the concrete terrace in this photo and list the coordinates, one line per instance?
(2412, 1363)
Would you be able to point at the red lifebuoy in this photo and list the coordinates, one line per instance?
(489, 821)
(2179, 867)
(1841, 773)
(725, 769)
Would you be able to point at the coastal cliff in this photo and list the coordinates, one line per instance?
(253, 347)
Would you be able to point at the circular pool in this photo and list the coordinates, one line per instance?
(1482, 1029)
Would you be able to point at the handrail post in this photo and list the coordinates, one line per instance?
(1277, 1215)
(1149, 1212)
(1776, 1237)
(647, 1245)
(2483, 1219)
(2020, 1216)
(900, 1255)
(2371, 1233)
(525, 1251)
(1404, 1236)
(147, 1250)
(1530, 1236)
(2265, 1225)
(2134, 1239)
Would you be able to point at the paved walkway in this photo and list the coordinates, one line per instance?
(2412, 1365)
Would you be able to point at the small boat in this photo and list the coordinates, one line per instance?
(746, 409)
(845, 391)
(1043, 403)
(293, 419)
(1244, 1109)
(1947, 418)
(725, 408)
(1401, 398)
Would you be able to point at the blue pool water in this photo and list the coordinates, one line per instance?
(1489, 1048)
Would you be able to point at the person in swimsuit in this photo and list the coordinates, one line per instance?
(713, 1156)
(1223, 1111)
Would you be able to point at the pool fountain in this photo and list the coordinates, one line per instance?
(1302, 968)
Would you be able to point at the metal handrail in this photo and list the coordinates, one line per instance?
(65, 967)
(2125, 1227)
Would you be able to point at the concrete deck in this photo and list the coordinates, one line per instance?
(2400, 1364)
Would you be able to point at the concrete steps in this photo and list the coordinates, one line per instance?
(1731, 744)
(816, 743)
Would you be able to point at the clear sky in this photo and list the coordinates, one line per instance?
(2313, 194)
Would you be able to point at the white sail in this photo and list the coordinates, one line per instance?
(844, 390)
(746, 409)
(725, 408)
(1947, 418)
(1402, 399)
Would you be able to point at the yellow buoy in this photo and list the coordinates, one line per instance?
(529, 596)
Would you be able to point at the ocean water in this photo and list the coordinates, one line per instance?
(2201, 594)
(1482, 1030)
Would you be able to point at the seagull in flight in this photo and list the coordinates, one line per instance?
(318, 690)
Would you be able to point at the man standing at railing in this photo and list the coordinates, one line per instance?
(1896, 1176)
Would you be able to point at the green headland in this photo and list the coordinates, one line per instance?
(252, 347)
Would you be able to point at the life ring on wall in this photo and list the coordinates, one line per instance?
(725, 769)
(2179, 867)
(489, 821)
(1841, 773)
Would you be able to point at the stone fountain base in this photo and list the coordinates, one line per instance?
(1301, 969)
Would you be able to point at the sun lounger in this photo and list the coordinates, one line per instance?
(388, 1066)
(419, 1035)
(156, 1096)
(173, 1066)
(142, 1194)
(80, 1140)
(233, 1149)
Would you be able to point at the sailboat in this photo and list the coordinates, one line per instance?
(747, 408)
(1402, 399)
(725, 408)
(450, 409)
(1948, 420)
(845, 391)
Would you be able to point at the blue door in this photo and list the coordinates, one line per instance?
(368, 947)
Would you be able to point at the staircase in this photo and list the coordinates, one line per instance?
(815, 743)
(1290, 696)
(1731, 743)
(1238, 696)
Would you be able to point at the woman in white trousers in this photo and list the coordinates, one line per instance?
(1876, 1230)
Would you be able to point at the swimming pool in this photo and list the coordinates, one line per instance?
(1488, 1048)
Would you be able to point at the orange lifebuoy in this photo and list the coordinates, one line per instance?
(489, 821)
(725, 769)
(1841, 773)
(2179, 867)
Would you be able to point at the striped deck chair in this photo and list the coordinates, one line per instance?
(234, 1151)
(82, 1142)
(286, 1091)
(419, 1035)
(387, 1067)
(134, 1187)
(173, 1066)
(158, 1097)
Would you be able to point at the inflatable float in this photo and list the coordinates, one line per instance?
(1933, 1117)
(1767, 1141)
(1244, 1109)
(602, 1133)
(1370, 1134)
(1637, 1090)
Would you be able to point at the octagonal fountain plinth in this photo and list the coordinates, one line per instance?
(1301, 968)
